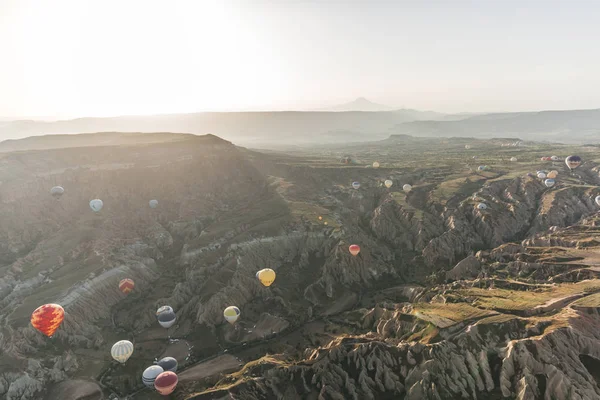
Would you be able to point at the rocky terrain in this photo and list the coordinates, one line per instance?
(444, 301)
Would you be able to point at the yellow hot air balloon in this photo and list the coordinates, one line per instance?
(122, 350)
(388, 183)
(266, 276)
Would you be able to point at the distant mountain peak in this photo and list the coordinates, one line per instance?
(359, 104)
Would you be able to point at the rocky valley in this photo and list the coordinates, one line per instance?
(447, 299)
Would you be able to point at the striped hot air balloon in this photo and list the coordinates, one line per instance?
(47, 318)
(231, 314)
(150, 374)
(126, 285)
(122, 350)
(165, 382)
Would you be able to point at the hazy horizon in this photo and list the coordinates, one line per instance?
(68, 59)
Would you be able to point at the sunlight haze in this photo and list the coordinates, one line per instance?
(69, 58)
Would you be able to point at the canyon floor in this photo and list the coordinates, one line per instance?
(444, 301)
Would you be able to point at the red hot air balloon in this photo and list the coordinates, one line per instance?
(47, 318)
(126, 285)
(354, 249)
(165, 382)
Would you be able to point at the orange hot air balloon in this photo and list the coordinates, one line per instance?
(47, 318)
(165, 382)
(354, 249)
(126, 285)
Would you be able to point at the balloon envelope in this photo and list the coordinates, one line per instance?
(573, 162)
(96, 205)
(481, 206)
(168, 364)
(467, 146)
(388, 183)
(266, 276)
(231, 314)
(150, 374)
(375, 164)
(57, 191)
(354, 249)
(167, 319)
(513, 159)
(598, 200)
(164, 309)
(552, 174)
(126, 285)
(355, 185)
(165, 382)
(554, 158)
(122, 350)
(541, 175)
(549, 182)
(47, 318)
(153, 203)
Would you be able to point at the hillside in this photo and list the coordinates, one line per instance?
(575, 126)
(241, 127)
(444, 300)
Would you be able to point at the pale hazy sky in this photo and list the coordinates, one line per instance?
(69, 58)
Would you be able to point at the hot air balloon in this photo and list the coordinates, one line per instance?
(467, 146)
(598, 200)
(153, 203)
(573, 162)
(320, 218)
(57, 192)
(388, 183)
(165, 382)
(552, 174)
(122, 350)
(480, 168)
(541, 175)
(126, 285)
(163, 309)
(407, 188)
(167, 319)
(47, 318)
(231, 314)
(168, 364)
(150, 374)
(554, 158)
(375, 164)
(549, 182)
(96, 205)
(355, 185)
(266, 276)
(513, 159)
(354, 249)
(482, 206)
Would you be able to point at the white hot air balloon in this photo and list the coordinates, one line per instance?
(598, 200)
(356, 185)
(549, 182)
(231, 314)
(541, 175)
(407, 188)
(388, 183)
(122, 350)
(96, 205)
(375, 164)
(57, 192)
(153, 203)
(481, 206)
(150, 374)
(467, 146)
(167, 319)
(513, 159)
